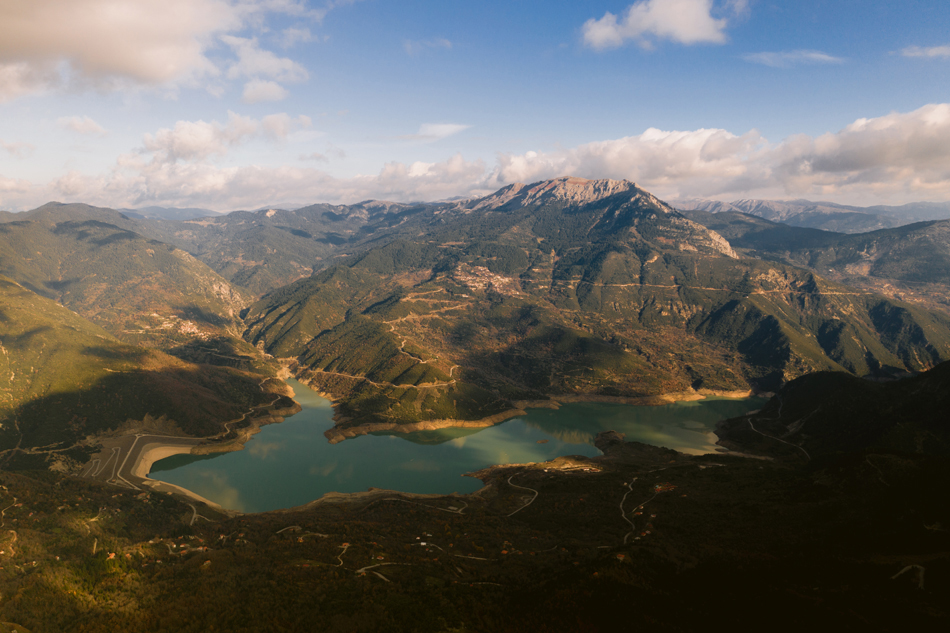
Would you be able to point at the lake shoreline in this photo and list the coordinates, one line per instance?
(142, 450)
(562, 445)
(340, 433)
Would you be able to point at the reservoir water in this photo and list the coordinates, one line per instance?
(292, 463)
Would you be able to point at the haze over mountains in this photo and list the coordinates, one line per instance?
(828, 216)
(169, 213)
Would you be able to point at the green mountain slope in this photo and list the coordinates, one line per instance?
(142, 291)
(260, 251)
(63, 379)
(263, 250)
(910, 262)
(570, 287)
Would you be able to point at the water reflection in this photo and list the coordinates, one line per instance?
(214, 485)
(263, 450)
(292, 463)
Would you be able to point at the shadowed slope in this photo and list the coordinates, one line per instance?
(63, 379)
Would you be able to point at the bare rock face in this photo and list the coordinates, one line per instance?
(616, 205)
(566, 189)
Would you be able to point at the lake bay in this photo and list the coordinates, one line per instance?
(292, 463)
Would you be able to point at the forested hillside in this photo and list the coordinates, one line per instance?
(142, 291)
(572, 287)
(63, 380)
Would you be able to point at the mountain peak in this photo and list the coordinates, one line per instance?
(566, 188)
(577, 190)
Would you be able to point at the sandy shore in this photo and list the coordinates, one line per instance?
(642, 401)
(163, 486)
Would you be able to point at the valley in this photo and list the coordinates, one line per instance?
(679, 538)
(524, 338)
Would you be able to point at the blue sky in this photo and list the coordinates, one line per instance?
(231, 104)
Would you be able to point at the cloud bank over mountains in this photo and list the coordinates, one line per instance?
(899, 156)
(171, 102)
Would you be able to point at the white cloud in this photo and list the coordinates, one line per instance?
(899, 157)
(702, 159)
(435, 131)
(18, 149)
(933, 51)
(135, 182)
(904, 152)
(199, 140)
(330, 5)
(116, 44)
(280, 126)
(71, 185)
(258, 90)
(293, 36)
(317, 157)
(787, 59)
(81, 125)
(102, 41)
(15, 188)
(739, 8)
(414, 47)
(682, 21)
(18, 79)
(253, 61)
(264, 69)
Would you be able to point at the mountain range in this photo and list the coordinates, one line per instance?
(910, 263)
(571, 288)
(424, 314)
(827, 216)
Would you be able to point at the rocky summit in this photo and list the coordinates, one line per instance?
(571, 288)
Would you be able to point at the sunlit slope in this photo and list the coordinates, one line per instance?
(140, 290)
(578, 288)
(911, 262)
(916, 252)
(63, 378)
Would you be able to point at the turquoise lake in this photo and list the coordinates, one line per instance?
(292, 463)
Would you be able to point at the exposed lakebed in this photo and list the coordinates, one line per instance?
(292, 463)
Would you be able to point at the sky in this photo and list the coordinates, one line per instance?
(242, 104)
